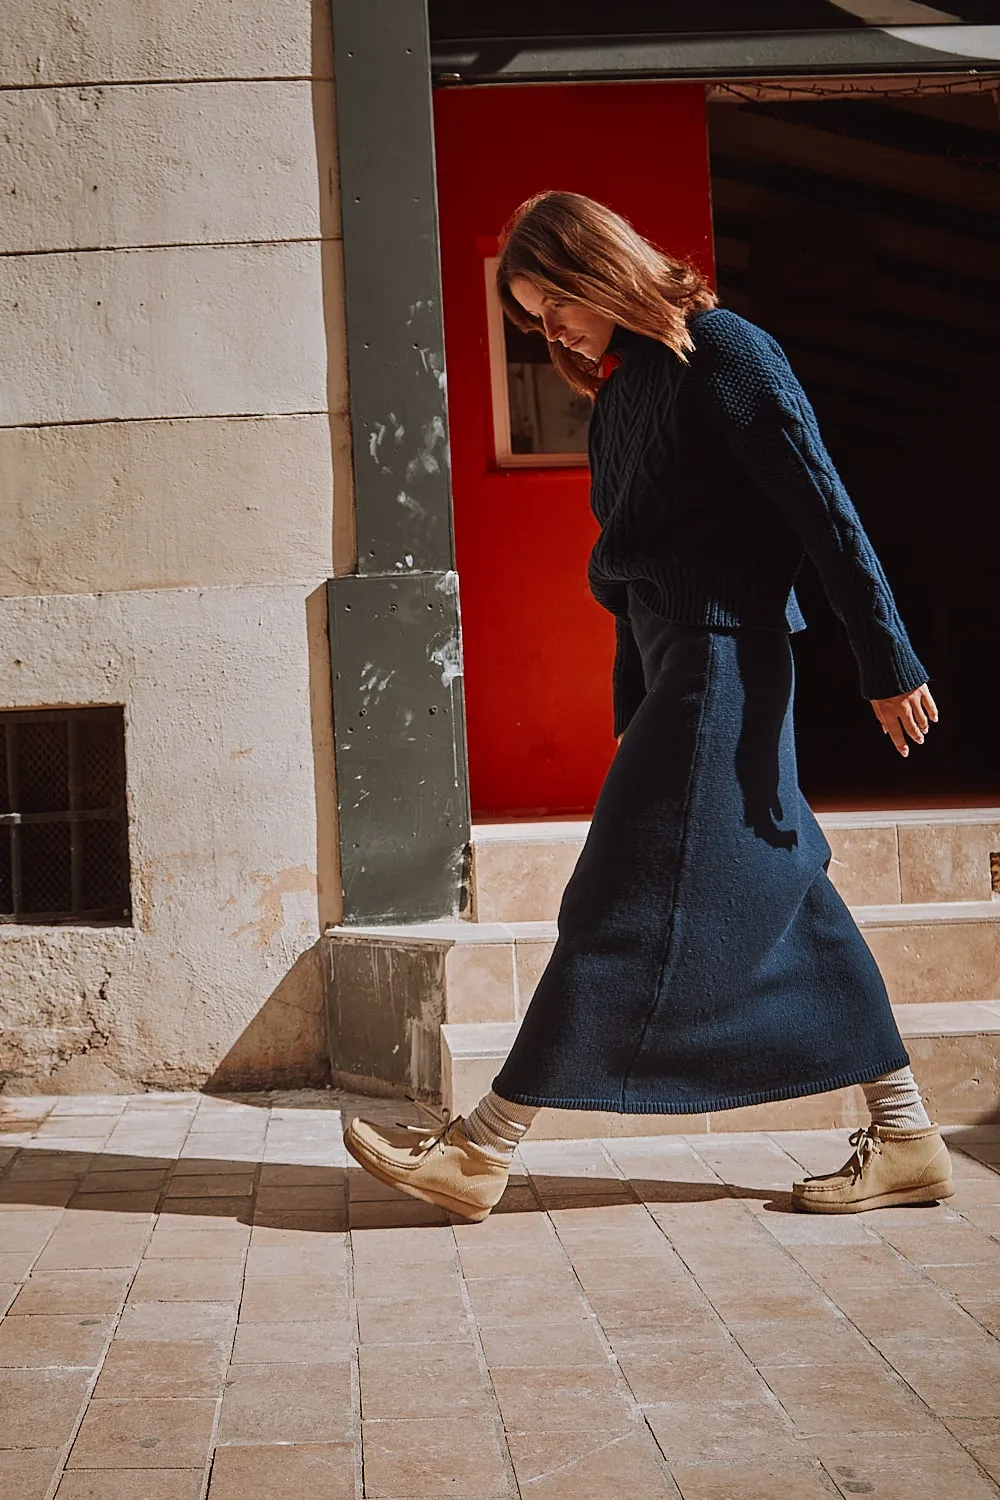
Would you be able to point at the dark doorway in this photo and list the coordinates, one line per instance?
(861, 230)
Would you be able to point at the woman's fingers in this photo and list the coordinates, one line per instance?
(909, 721)
(906, 717)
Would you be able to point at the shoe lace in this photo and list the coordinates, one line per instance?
(867, 1143)
(443, 1119)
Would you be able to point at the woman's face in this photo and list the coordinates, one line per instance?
(566, 322)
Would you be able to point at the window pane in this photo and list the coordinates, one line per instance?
(42, 767)
(105, 867)
(546, 416)
(45, 868)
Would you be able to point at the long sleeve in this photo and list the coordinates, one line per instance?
(628, 683)
(766, 420)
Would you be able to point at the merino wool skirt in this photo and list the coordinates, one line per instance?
(704, 961)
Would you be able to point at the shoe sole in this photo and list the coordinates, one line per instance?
(934, 1192)
(437, 1200)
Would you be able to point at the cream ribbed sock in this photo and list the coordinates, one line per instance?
(894, 1100)
(496, 1126)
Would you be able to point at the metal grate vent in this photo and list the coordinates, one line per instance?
(63, 819)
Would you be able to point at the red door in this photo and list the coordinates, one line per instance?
(538, 650)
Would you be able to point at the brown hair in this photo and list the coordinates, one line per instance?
(570, 246)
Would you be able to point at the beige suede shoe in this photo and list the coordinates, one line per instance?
(889, 1167)
(439, 1165)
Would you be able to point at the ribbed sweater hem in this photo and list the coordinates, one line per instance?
(620, 1106)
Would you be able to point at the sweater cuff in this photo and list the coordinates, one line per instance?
(890, 667)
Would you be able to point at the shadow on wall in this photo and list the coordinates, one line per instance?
(285, 1045)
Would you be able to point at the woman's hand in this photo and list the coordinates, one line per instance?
(906, 714)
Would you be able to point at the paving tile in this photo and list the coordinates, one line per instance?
(759, 1481)
(684, 1371)
(134, 1371)
(914, 1467)
(27, 1228)
(985, 1312)
(757, 1301)
(40, 1407)
(582, 1465)
(427, 1458)
(980, 1437)
(145, 1202)
(15, 1264)
(865, 1267)
(920, 1309)
(209, 1185)
(235, 1208)
(333, 1223)
(99, 1248)
(272, 1299)
(419, 1280)
(957, 1377)
(537, 1260)
(840, 1398)
(399, 1213)
(293, 1343)
(966, 1281)
(144, 1434)
(321, 1471)
(30, 1195)
(422, 1380)
(413, 1320)
(630, 1273)
(176, 1239)
(291, 1252)
(505, 1301)
(79, 1126)
(190, 1165)
(800, 1341)
(186, 1280)
(625, 1229)
(676, 1307)
(131, 1484)
(287, 1404)
(949, 1245)
(987, 1218)
(564, 1344)
(292, 1174)
(543, 1398)
(41, 1341)
(27, 1474)
(406, 1244)
(129, 1180)
(690, 1432)
(154, 1322)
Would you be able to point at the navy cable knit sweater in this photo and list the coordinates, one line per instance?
(710, 482)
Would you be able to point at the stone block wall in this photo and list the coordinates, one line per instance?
(174, 488)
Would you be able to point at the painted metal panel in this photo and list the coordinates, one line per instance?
(395, 337)
(399, 734)
(397, 686)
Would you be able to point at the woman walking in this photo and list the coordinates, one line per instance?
(704, 960)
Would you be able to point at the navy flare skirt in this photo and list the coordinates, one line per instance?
(704, 960)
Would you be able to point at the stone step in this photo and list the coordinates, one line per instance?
(939, 950)
(519, 870)
(954, 1048)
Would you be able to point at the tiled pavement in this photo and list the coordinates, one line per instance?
(205, 1301)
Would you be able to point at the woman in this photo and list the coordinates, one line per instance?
(704, 961)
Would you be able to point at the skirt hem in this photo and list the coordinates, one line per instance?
(730, 1101)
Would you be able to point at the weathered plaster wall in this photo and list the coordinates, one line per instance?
(173, 434)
